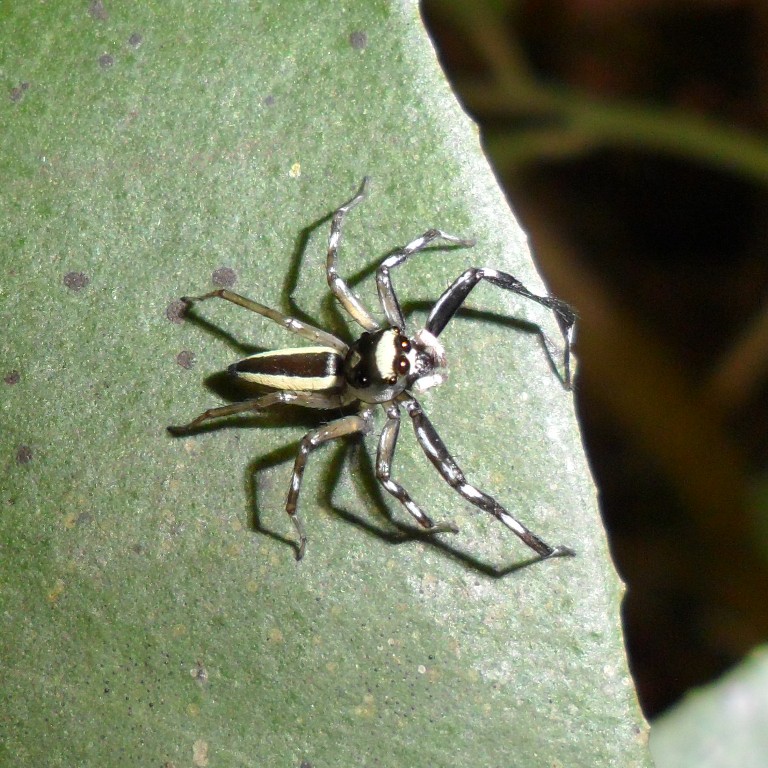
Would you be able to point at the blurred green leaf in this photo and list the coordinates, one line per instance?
(144, 621)
(723, 725)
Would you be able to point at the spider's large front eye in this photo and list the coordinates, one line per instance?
(401, 365)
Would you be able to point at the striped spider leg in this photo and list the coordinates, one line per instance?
(381, 367)
(306, 376)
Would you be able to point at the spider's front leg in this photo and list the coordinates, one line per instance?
(387, 296)
(453, 297)
(384, 456)
(336, 283)
(450, 471)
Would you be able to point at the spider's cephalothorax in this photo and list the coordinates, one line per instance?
(382, 367)
(382, 364)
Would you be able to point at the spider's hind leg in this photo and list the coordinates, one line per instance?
(304, 330)
(305, 399)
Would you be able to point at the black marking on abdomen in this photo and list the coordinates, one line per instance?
(318, 369)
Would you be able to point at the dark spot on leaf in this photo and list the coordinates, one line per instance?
(23, 454)
(18, 92)
(106, 60)
(97, 10)
(225, 277)
(358, 40)
(12, 378)
(269, 100)
(176, 311)
(186, 359)
(135, 40)
(305, 764)
(76, 281)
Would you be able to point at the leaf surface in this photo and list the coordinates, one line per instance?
(144, 620)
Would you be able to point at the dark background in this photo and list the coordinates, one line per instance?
(630, 137)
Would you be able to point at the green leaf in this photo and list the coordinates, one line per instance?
(144, 620)
(722, 725)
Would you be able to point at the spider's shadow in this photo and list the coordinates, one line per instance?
(230, 389)
(364, 476)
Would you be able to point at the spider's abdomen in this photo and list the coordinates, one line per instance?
(305, 369)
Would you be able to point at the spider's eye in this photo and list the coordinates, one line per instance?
(377, 362)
